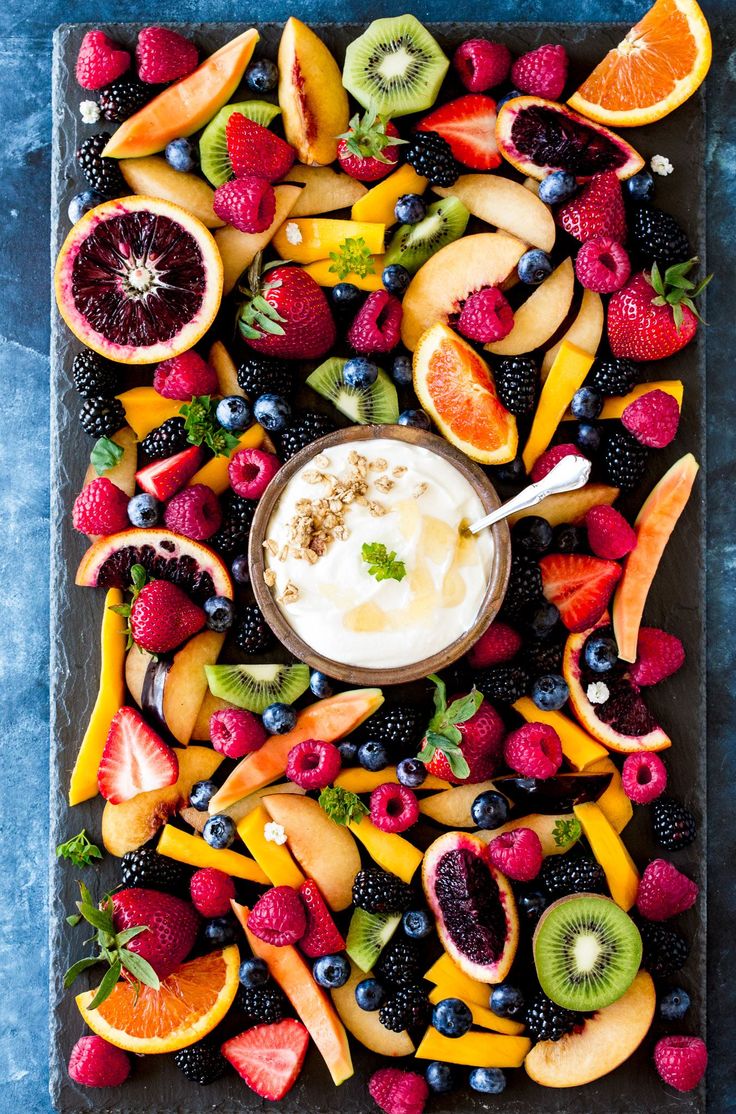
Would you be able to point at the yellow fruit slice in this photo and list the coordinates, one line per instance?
(544, 824)
(324, 190)
(365, 1025)
(357, 780)
(123, 473)
(225, 369)
(273, 858)
(390, 851)
(577, 746)
(324, 272)
(193, 850)
(307, 239)
(145, 409)
(477, 1050)
(567, 373)
(540, 316)
(452, 982)
(613, 802)
(610, 852)
(215, 474)
(482, 1016)
(379, 202)
(585, 331)
(155, 177)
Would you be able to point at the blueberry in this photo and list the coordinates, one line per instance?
(588, 436)
(331, 971)
(345, 295)
(360, 373)
(417, 924)
(262, 76)
(510, 96)
(401, 371)
(538, 618)
(279, 718)
(568, 538)
(254, 973)
(532, 533)
(507, 1000)
(220, 613)
(587, 403)
(441, 1078)
(411, 772)
(410, 208)
(348, 752)
(489, 810)
(395, 278)
(240, 569)
(532, 905)
(221, 931)
(372, 755)
(550, 692)
(369, 994)
(272, 412)
(601, 653)
(534, 266)
(674, 1005)
(82, 202)
(180, 154)
(511, 472)
(320, 684)
(201, 794)
(489, 1081)
(144, 510)
(219, 831)
(557, 187)
(451, 1017)
(639, 187)
(415, 418)
(234, 413)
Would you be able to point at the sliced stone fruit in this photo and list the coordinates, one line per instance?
(570, 506)
(506, 205)
(451, 807)
(540, 316)
(325, 190)
(553, 794)
(585, 331)
(123, 473)
(364, 1024)
(557, 832)
(239, 249)
(311, 95)
(153, 176)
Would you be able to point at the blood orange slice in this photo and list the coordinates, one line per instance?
(138, 280)
(454, 385)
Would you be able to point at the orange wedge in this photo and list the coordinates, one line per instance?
(187, 1006)
(658, 65)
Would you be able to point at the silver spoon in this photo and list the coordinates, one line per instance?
(569, 474)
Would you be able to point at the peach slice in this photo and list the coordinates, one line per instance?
(364, 1024)
(155, 177)
(541, 823)
(451, 807)
(325, 190)
(326, 851)
(225, 369)
(209, 705)
(123, 473)
(239, 249)
(541, 314)
(570, 506)
(585, 331)
(506, 205)
(313, 102)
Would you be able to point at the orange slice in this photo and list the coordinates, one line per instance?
(658, 65)
(454, 385)
(187, 1006)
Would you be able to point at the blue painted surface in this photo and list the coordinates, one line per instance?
(25, 33)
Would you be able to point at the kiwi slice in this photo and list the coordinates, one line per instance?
(374, 405)
(395, 67)
(213, 157)
(587, 951)
(412, 244)
(368, 934)
(254, 687)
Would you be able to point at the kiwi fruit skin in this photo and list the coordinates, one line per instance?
(413, 244)
(254, 687)
(213, 157)
(368, 935)
(594, 914)
(374, 405)
(395, 66)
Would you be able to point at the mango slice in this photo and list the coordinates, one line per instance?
(390, 851)
(577, 746)
(477, 1050)
(273, 858)
(567, 373)
(193, 850)
(610, 852)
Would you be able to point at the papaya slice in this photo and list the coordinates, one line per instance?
(610, 852)
(567, 373)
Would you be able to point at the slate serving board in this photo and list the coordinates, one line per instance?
(677, 603)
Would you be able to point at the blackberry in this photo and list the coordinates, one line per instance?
(262, 1004)
(431, 156)
(100, 417)
(543, 657)
(102, 174)
(237, 517)
(399, 727)
(562, 875)
(665, 949)
(658, 237)
(516, 384)
(399, 964)
(147, 869)
(308, 426)
(94, 377)
(408, 1008)
(202, 1063)
(259, 375)
(122, 98)
(614, 377)
(252, 632)
(624, 459)
(546, 1021)
(674, 825)
(525, 584)
(166, 440)
(377, 891)
(503, 683)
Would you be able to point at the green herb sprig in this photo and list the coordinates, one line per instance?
(353, 258)
(203, 428)
(105, 455)
(383, 565)
(341, 805)
(79, 850)
(567, 832)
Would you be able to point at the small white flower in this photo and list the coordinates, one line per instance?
(597, 692)
(661, 165)
(89, 111)
(274, 833)
(293, 233)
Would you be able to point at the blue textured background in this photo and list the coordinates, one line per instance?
(25, 51)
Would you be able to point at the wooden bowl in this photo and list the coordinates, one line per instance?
(356, 674)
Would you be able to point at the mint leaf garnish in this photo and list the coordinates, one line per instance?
(105, 455)
(567, 832)
(353, 258)
(203, 428)
(341, 805)
(383, 565)
(78, 850)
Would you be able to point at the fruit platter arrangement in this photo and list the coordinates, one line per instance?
(326, 296)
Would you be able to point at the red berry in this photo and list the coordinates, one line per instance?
(135, 759)
(481, 64)
(183, 377)
(609, 534)
(269, 1057)
(100, 61)
(658, 656)
(394, 808)
(498, 644)
(162, 55)
(644, 777)
(517, 854)
(256, 152)
(664, 891)
(597, 211)
(533, 750)
(172, 925)
(212, 891)
(235, 732)
(541, 72)
(313, 764)
(377, 327)
(602, 265)
(579, 586)
(368, 151)
(653, 419)
(322, 936)
(681, 1061)
(248, 204)
(163, 616)
(278, 917)
(194, 512)
(163, 478)
(546, 462)
(398, 1092)
(95, 1063)
(250, 472)
(101, 508)
(486, 316)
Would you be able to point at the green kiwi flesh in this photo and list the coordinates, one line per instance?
(413, 244)
(254, 687)
(395, 67)
(368, 935)
(213, 157)
(374, 405)
(586, 951)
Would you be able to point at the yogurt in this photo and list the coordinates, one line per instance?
(377, 492)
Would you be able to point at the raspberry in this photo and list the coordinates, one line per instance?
(183, 377)
(541, 72)
(377, 327)
(658, 656)
(498, 644)
(486, 316)
(101, 508)
(602, 265)
(664, 891)
(644, 777)
(211, 890)
(653, 419)
(235, 732)
(398, 1092)
(95, 1063)
(481, 64)
(394, 808)
(313, 764)
(546, 462)
(322, 936)
(162, 55)
(517, 854)
(681, 1061)
(248, 204)
(534, 750)
(278, 917)
(251, 471)
(256, 152)
(609, 534)
(194, 512)
(100, 61)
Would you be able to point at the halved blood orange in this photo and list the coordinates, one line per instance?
(186, 1007)
(139, 280)
(658, 65)
(454, 385)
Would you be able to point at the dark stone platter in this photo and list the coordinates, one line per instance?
(677, 602)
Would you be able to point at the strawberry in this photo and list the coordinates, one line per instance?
(163, 478)
(464, 740)
(269, 1057)
(653, 316)
(163, 55)
(254, 151)
(579, 586)
(597, 212)
(469, 126)
(135, 759)
(369, 151)
(287, 314)
(171, 922)
(322, 936)
(162, 617)
(100, 61)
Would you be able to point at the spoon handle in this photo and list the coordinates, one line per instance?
(569, 474)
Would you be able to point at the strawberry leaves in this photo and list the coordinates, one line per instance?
(443, 734)
(676, 289)
(368, 137)
(202, 426)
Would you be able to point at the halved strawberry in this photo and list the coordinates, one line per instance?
(579, 586)
(322, 936)
(469, 126)
(163, 478)
(135, 759)
(269, 1057)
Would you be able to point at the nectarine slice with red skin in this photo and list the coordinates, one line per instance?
(313, 102)
(585, 332)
